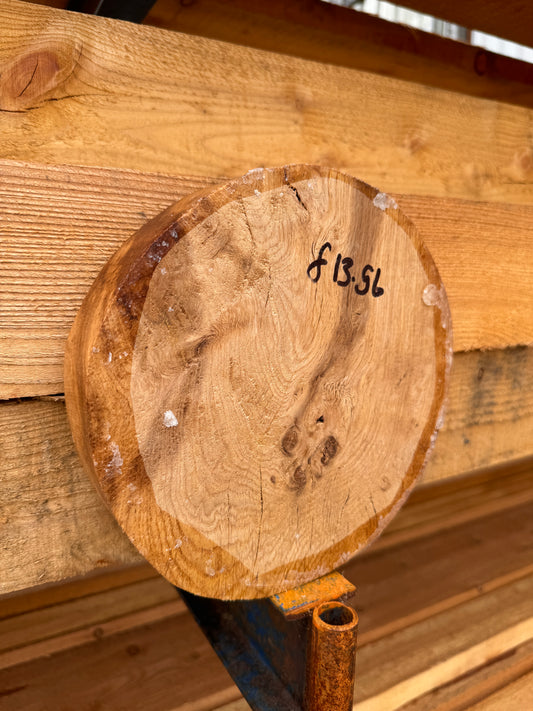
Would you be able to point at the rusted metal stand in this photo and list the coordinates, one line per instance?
(294, 651)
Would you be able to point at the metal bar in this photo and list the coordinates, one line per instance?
(331, 658)
(278, 654)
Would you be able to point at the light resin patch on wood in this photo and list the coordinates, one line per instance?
(256, 378)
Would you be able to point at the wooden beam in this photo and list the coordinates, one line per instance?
(325, 32)
(73, 91)
(514, 696)
(60, 225)
(463, 575)
(56, 526)
(510, 19)
(496, 676)
(425, 665)
(489, 418)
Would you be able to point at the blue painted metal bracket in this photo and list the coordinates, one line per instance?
(277, 649)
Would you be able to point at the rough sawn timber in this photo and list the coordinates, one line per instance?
(72, 91)
(55, 525)
(60, 224)
(328, 33)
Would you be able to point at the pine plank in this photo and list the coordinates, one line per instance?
(56, 526)
(97, 581)
(437, 621)
(436, 572)
(201, 106)
(70, 616)
(85, 635)
(517, 695)
(489, 418)
(325, 32)
(484, 253)
(457, 500)
(447, 645)
(479, 685)
(163, 665)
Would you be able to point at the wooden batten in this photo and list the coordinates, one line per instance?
(325, 32)
(57, 216)
(200, 106)
(61, 511)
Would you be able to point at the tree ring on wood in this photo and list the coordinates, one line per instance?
(256, 378)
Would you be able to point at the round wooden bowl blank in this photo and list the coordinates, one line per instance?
(255, 379)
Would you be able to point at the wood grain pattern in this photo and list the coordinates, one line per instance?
(105, 635)
(325, 32)
(494, 676)
(489, 418)
(385, 684)
(40, 625)
(59, 527)
(53, 523)
(514, 696)
(199, 106)
(161, 665)
(484, 253)
(455, 501)
(223, 388)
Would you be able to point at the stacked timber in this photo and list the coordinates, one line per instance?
(94, 143)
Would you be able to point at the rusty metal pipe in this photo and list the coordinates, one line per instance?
(331, 658)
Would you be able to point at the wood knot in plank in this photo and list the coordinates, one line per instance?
(32, 78)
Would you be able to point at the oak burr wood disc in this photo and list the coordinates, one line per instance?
(256, 378)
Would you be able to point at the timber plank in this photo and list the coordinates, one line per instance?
(60, 225)
(514, 696)
(459, 500)
(489, 418)
(439, 620)
(163, 666)
(195, 105)
(442, 566)
(85, 635)
(325, 32)
(36, 626)
(479, 685)
(437, 650)
(100, 580)
(55, 525)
